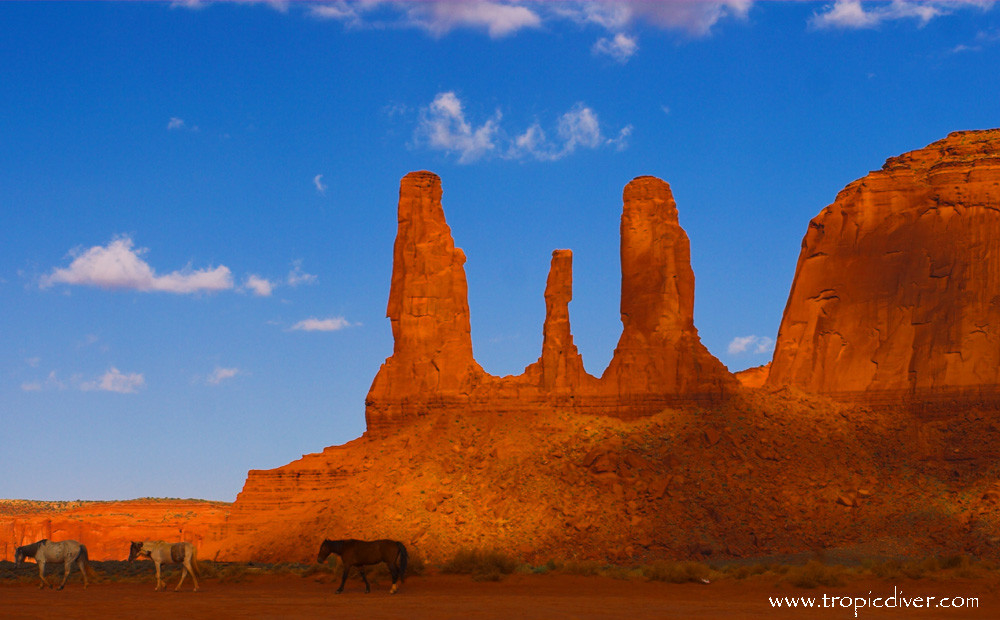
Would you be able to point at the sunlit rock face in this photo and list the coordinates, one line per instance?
(659, 355)
(107, 528)
(660, 360)
(431, 364)
(897, 288)
(559, 370)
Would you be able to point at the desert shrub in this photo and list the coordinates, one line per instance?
(483, 565)
(587, 568)
(677, 572)
(890, 569)
(916, 569)
(815, 574)
(743, 571)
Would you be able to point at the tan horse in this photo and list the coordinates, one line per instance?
(168, 553)
(67, 551)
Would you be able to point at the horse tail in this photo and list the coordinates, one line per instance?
(402, 560)
(194, 561)
(85, 558)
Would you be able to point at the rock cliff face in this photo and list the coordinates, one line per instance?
(107, 528)
(659, 361)
(659, 355)
(896, 289)
(431, 364)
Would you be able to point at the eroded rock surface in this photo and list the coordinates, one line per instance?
(659, 362)
(896, 289)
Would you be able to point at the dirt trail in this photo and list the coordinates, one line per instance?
(445, 597)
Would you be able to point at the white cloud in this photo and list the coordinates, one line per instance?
(853, 14)
(498, 19)
(580, 127)
(694, 17)
(443, 126)
(52, 382)
(691, 16)
(351, 13)
(221, 374)
(118, 266)
(175, 123)
(296, 276)
(318, 182)
(116, 381)
(753, 344)
(261, 287)
(577, 128)
(322, 325)
(620, 48)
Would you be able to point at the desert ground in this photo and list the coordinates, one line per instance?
(455, 596)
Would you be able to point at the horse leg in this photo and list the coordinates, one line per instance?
(368, 588)
(83, 569)
(67, 567)
(184, 572)
(41, 574)
(394, 573)
(158, 580)
(343, 579)
(190, 570)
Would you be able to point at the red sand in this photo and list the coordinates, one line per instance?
(440, 596)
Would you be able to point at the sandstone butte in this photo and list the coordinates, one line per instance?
(666, 455)
(895, 294)
(659, 360)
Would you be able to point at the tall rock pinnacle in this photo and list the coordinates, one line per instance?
(428, 309)
(560, 369)
(659, 352)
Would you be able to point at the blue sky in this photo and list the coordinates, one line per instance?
(198, 200)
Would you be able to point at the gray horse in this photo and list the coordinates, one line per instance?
(67, 552)
(160, 552)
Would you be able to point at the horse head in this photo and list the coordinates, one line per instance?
(19, 557)
(325, 549)
(134, 551)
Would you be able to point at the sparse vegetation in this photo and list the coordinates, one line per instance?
(678, 572)
(493, 565)
(482, 565)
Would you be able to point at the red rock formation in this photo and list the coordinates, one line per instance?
(107, 528)
(431, 364)
(560, 368)
(753, 377)
(659, 362)
(895, 292)
(659, 356)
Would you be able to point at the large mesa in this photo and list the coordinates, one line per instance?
(895, 291)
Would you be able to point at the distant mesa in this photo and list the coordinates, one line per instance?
(897, 289)
(659, 361)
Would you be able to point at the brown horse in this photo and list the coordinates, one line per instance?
(363, 553)
(68, 552)
(161, 552)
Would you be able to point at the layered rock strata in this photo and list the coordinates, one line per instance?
(107, 528)
(659, 362)
(896, 289)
